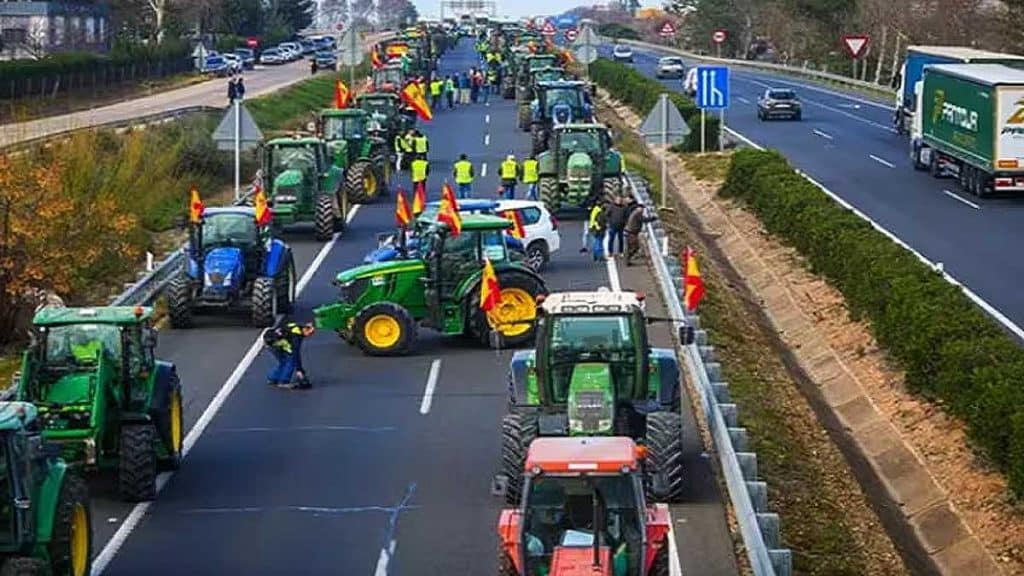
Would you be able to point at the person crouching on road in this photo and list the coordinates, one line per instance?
(285, 343)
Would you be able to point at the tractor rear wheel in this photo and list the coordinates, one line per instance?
(136, 474)
(170, 422)
(179, 302)
(516, 313)
(550, 193)
(611, 188)
(23, 566)
(538, 139)
(70, 546)
(383, 167)
(362, 184)
(517, 433)
(384, 329)
(285, 286)
(323, 218)
(264, 302)
(523, 114)
(665, 453)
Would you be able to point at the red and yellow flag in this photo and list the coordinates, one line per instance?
(396, 50)
(693, 284)
(449, 214)
(413, 98)
(403, 217)
(513, 216)
(342, 95)
(263, 213)
(419, 201)
(375, 58)
(448, 195)
(490, 290)
(195, 207)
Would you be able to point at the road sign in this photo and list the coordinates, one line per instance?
(548, 29)
(667, 30)
(664, 120)
(249, 133)
(719, 36)
(586, 36)
(252, 42)
(571, 34)
(351, 53)
(339, 26)
(586, 45)
(855, 44)
(712, 87)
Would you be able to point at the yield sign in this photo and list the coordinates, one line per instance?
(855, 44)
(571, 34)
(667, 30)
(548, 29)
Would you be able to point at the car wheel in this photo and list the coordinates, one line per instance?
(536, 255)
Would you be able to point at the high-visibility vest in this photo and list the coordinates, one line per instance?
(449, 85)
(530, 171)
(420, 144)
(418, 170)
(463, 172)
(508, 170)
(406, 143)
(595, 214)
(435, 87)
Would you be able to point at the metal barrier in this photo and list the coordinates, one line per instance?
(749, 496)
(151, 284)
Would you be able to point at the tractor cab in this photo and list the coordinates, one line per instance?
(583, 511)
(547, 74)
(581, 166)
(562, 102)
(344, 124)
(354, 138)
(385, 109)
(389, 78)
(302, 180)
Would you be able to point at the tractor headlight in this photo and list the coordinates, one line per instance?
(226, 281)
(285, 198)
(215, 278)
(589, 413)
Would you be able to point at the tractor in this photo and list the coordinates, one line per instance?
(101, 394)
(233, 264)
(580, 167)
(557, 103)
(305, 185)
(527, 65)
(361, 150)
(594, 373)
(46, 517)
(535, 75)
(387, 110)
(584, 512)
(389, 78)
(381, 304)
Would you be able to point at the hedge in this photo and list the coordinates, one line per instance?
(641, 93)
(952, 352)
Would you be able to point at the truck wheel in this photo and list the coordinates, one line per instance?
(550, 194)
(517, 432)
(516, 313)
(264, 302)
(285, 286)
(179, 302)
(70, 546)
(24, 566)
(136, 477)
(384, 329)
(665, 454)
(323, 218)
(361, 182)
(981, 184)
(523, 117)
(538, 139)
(933, 165)
(611, 188)
(170, 422)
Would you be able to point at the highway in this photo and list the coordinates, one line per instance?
(373, 471)
(846, 144)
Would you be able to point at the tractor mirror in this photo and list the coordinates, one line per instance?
(687, 335)
(149, 337)
(499, 485)
(311, 127)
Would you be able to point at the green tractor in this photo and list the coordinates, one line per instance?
(103, 396)
(594, 373)
(580, 167)
(527, 65)
(45, 517)
(558, 103)
(362, 151)
(389, 78)
(305, 185)
(382, 303)
(523, 110)
(386, 109)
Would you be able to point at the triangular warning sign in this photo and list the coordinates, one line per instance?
(249, 132)
(855, 45)
(664, 118)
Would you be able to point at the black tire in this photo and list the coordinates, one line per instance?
(383, 166)
(179, 302)
(264, 302)
(165, 422)
(74, 496)
(665, 453)
(550, 193)
(507, 279)
(981, 184)
(523, 117)
(406, 325)
(933, 165)
(611, 188)
(285, 286)
(517, 432)
(136, 474)
(323, 218)
(25, 566)
(537, 255)
(355, 182)
(660, 567)
(538, 139)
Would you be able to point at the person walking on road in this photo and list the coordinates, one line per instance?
(436, 88)
(509, 175)
(449, 91)
(420, 145)
(634, 226)
(617, 213)
(464, 88)
(240, 88)
(232, 90)
(463, 173)
(531, 177)
(419, 170)
(474, 85)
(285, 343)
(593, 232)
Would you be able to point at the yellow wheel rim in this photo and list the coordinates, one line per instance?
(514, 315)
(79, 540)
(382, 331)
(176, 422)
(370, 183)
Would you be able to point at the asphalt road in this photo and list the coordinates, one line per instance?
(846, 143)
(361, 474)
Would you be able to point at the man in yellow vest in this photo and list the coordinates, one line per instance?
(509, 176)
(436, 87)
(531, 176)
(463, 173)
(403, 150)
(419, 169)
(420, 145)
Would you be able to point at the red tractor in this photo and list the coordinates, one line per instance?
(583, 513)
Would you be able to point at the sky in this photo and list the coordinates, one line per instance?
(517, 8)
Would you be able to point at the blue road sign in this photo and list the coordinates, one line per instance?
(712, 87)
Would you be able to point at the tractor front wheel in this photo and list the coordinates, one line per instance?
(384, 329)
(611, 188)
(517, 432)
(136, 475)
(179, 302)
(538, 139)
(264, 302)
(362, 184)
(382, 166)
(515, 315)
(23, 566)
(170, 422)
(323, 218)
(70, 547)
(665, 454)
(551, 194)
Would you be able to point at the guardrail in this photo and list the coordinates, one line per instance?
(759, 528)
(151, 284)
(767, 66)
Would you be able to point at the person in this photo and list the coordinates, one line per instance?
(419, 169)
(368, 84)
(404, 147)
(634, 226)
(509, 175)
(312, 66)
(595, 229)
(474, 86)
(232, 90)
(436, 87)
(616, 216)
(285, 343)
(449, 91)
(490, 84)
(420, 145)
(531, 176)
(464, 88)
(463, 173)
(240, 88)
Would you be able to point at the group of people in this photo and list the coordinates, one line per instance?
(620, 222)
(510, 171)
(462, 88)
(236, 88)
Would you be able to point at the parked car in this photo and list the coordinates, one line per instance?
(324, 43)
(671, 67)
(542, 238)
(326, 60)
(294, 48)
(307, 46)
(273, 56)
(776, 103)
(234, 63)
(216, 65)
(622, 53)
(247, 56)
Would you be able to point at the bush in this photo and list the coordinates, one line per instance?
(951, 351)
(616, 31)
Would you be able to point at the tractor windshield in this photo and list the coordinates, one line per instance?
(378, 106)
(231, 229)
(588, 142)
(387, 76)
(567, 512)
(344, 127)
(301, 158)
(584, 339)
(79, 345)
(538, 63)
(567, 96)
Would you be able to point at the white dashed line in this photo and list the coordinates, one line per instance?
(487, 119)
(487, 139)
(961, 200)
(824, 135)
(881, 161)
(428, 392)
(483, 170)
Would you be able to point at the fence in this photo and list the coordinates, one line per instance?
(89, 78)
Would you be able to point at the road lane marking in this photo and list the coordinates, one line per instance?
(487, 119)
(384, 559)
(675, 568)
(613, 273)
(824, 135)
(428, 392)
(958, 198)
(483, 170)
(254, 429)
(744, 100)
(388, 552)
(302, 509)
(881, 161)
(487, 139)
(111, 548)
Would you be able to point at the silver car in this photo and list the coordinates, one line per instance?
(622, 53)
(670, 67)
(779, 103)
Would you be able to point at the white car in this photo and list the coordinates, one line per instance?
(293, 47)
(671, 67)
(622, 53)
(273, 56)
(541, 228)
(234, 62)
(690, 84)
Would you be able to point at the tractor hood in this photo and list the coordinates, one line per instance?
(379, 269)
(71, 389)
(223, 266)
(591, 406)
(579, 561)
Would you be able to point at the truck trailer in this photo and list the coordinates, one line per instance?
(971, 126)
(918, 57)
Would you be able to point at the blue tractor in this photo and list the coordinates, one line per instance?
(233, 264)
(557, 103)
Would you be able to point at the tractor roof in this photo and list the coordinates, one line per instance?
(240, 210)
(580, 455)
(581, 127)
(597, 302)
(377, 96)
(342, 112)
(561, 84)
(296, 140)
(483, 222)
(16, 415)
(100, 315)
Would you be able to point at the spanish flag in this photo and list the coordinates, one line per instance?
(402, 216)
(195, 207)
(412, 95)
(448, 195)
(263, 214)
(516, 219)
(419, 201)
(449, 214)
(693, 284)
(342, 95)
(375, 58)
(490, 290)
